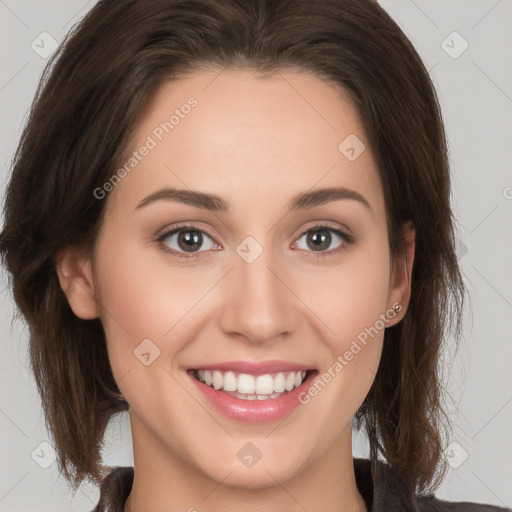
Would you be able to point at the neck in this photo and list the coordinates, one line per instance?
(164, 481)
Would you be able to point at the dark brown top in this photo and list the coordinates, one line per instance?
(381, 489)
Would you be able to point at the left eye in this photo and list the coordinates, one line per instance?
(319, 239)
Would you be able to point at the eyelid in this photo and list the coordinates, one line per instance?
(347, 233)
(167, 231)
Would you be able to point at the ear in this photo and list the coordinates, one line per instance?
(75, 276)
(400, 281)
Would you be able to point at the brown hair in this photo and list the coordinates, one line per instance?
(91, 96)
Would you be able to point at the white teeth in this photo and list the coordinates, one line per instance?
(279, 383)
(217, 380)
(290, 382)
(230, 382)
(265, 384)
(250, 387)
(253, 397)
(246, 383)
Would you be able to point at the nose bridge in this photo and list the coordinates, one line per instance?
(257, 302)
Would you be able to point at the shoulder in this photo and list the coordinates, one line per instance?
(115, 489)
(383, 491)
(433, 504)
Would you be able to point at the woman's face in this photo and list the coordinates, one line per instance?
(254, 282)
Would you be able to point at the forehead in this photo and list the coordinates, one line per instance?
(237, 134)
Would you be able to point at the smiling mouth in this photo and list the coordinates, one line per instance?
(246, 386)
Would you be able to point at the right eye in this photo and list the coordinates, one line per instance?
(183, 241)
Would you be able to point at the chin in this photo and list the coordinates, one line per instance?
(254, 479)
(261, 475)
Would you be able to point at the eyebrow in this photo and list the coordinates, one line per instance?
(215, 203)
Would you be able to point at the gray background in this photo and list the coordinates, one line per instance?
(475, 91)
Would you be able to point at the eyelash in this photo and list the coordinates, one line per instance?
(347, 240)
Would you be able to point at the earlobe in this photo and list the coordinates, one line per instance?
(75, 276)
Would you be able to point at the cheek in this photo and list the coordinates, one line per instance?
(143, 298)
(353, 308)
(140, 295)
(140, 305)
(350, 297)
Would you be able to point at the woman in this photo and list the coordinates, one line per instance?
(217, 220)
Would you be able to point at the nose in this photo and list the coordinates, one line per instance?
(258, 303)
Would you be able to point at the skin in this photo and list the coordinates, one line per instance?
(253, 141)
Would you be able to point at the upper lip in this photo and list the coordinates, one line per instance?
(254, 367)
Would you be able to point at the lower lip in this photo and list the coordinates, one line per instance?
(254, 411)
